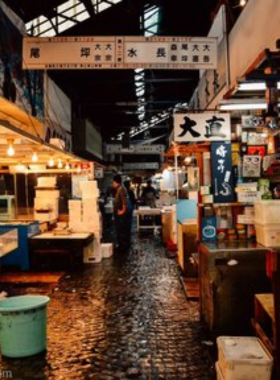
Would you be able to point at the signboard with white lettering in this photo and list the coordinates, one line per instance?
(134, 149)
(207, 126)
(113, 52)
(140, 165)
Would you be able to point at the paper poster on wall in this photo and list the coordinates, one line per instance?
(222, 173)
(252, 166)
(193, 178)
(76, 180)
(207, 126)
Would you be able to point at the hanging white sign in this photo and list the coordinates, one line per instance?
(135, 149)
(140, 165)
(207, 126)
(113, 52)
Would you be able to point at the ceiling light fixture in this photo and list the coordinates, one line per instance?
(253, 86)
(10, 150)
(34, 157)
(59, 164)
(242, 3)
(242, 104)
(51, 162)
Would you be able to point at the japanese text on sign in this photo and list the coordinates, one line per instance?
(119, 52)
(206, 126)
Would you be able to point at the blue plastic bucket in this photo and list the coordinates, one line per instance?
(23, 325)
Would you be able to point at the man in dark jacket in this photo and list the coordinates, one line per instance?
(122, 208)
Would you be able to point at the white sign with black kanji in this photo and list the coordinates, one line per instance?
(207, 126)
(113, 52)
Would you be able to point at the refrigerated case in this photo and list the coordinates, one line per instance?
(231, 273)
(8, 241)
(19, 258)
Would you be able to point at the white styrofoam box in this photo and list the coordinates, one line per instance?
(92, 211)
(93, 223)
(267, 211)
(88, 185)
(87, 195)
(92, 253)
(219, 372)
(268, 234)
(45, 216)
(74, 203)
(75, 217)
(75, 210)
(76, 226)
(89, 202)
(47, 193)
(107, 249)
(47, 204)
(243, 358)
(46, 181)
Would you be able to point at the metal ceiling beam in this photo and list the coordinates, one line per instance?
(89, 7)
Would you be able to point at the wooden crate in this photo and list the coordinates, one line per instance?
(264, 320)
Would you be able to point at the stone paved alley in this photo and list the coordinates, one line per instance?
(124, 318)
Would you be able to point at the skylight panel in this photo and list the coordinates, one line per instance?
(102, 6)
(72, 12)
(65, 25)
(65, 6)
(82, 16)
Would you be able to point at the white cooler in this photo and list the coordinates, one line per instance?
(243, 358)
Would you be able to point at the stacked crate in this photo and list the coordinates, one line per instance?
(84, 216)
(267, 222)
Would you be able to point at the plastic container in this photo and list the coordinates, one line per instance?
(23, 325)
(107, 250)
(243, 358)
(268, 235)
(267, 211)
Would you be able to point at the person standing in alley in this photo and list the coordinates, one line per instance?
(122, 210)
(149, 195)
(132, 199)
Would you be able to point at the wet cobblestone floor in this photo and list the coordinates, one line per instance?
(124, 318)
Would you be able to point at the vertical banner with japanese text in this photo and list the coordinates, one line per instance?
(222, 172)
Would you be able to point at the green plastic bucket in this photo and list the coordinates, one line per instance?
(23, 325)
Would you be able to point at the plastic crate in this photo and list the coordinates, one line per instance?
(243, 358)
(267, 211)
(268, 235)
